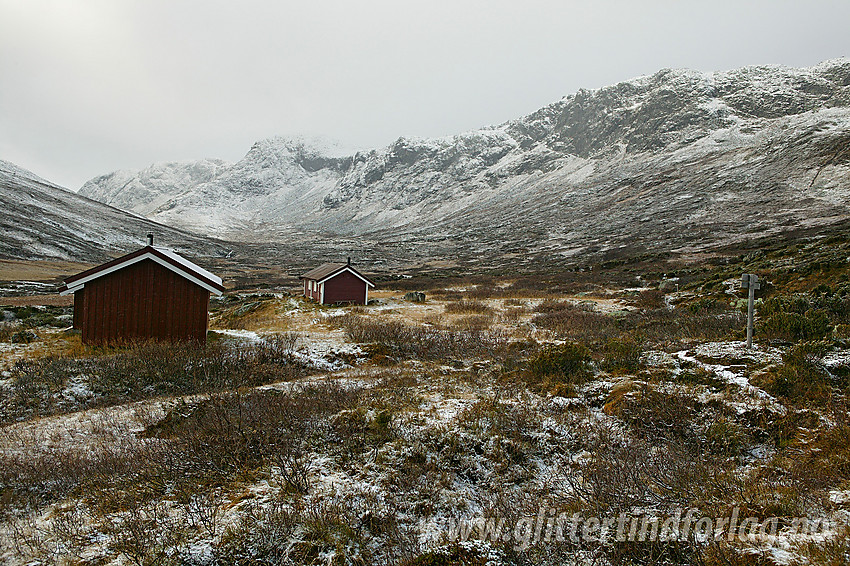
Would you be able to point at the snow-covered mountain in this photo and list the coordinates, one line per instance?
(144, 192)
(41, 220)
(672, 161)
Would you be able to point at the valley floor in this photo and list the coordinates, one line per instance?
(393, 433)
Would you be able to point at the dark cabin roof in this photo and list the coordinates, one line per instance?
(328, 270)
(163, 256)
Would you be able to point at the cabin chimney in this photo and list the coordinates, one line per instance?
(150, 239)
(349, 260)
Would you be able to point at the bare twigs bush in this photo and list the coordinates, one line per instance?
(30, 481)
(650, 299)
(234, 433)
(468, 307)
(655, 325)
(144, 370)
(147, 495)
(681, 324)
(338, 530)
(560, 368)
(622, 355)
(575, 322)
(801, 378)
(203, 510)
(473, 323)
(145, 534)
(424, 342)
(263, 535)
(291, 459)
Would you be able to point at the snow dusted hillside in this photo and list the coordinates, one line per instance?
(672, 161)
(145, 192)
(41, 220)
(269, 189)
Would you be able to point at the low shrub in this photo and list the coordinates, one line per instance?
(457, 554)
(230, 434)
(791, 327)
(473, 323)
(339, 530)
(622, 355)
(23, 337)
(41, 316)
(724, 437)
(356, 430)
(575, 322)
(262, 535)
(57, 384)
(801, 377)
(551, 305)
(656, 415)
(424, 342)
(624, 472)
(700, 376)
(662, 326)
(828, 457)
(560, 365)
(650, 299)
(468, 307)
(803, 316)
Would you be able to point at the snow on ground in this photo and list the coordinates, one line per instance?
(438, 410)
(247, 336)
(319, 350)
(739, 350)
(84, 431)
(440, 405)
(834, 360)
(750, 397)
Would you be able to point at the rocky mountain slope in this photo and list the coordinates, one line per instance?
(41, 220)
(674, 161)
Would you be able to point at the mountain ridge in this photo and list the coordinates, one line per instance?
(42, 220)
(666, 161)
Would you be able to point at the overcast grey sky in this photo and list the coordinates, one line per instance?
(90, 86)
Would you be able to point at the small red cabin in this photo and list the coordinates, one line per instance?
(333, 283)
(150, 294)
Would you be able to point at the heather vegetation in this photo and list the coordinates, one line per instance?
(55, 384)
(305, 434)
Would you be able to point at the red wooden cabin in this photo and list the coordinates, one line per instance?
(333, 283)
(150, 294)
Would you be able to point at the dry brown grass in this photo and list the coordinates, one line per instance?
(468, 307)
(575, 322)
(38, 300)
(17, 270)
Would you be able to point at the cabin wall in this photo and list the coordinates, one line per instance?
(312, 289)
(345, 288)
(79, 309)
(143, 301)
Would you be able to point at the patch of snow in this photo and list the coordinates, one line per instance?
(77, 389)
(834, 360)
(244, 335)
(839, 497)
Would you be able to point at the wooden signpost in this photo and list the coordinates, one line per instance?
(750, 281)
